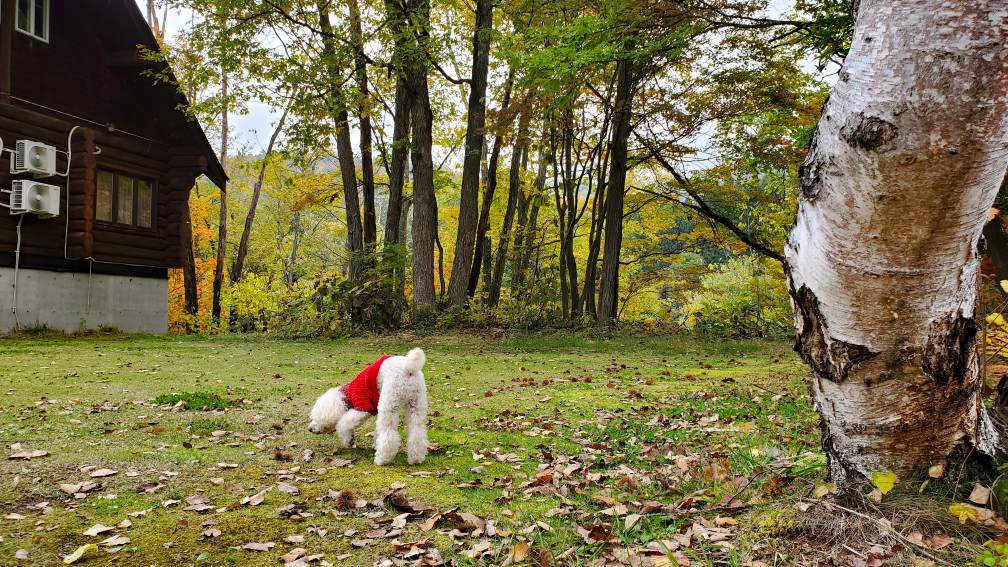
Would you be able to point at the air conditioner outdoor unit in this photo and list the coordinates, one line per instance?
(35, 158)
(34, 197)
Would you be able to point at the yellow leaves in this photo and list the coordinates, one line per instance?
(965, 512)
(1004, 285)
(79, 553)
(996, 318)
(824, 488)
(884, 481)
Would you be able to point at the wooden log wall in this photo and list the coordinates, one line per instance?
(173, 171)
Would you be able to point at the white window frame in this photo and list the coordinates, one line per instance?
(31, 20)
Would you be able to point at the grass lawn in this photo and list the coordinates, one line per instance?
(547, 450)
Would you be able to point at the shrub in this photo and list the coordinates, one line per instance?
(744, 297)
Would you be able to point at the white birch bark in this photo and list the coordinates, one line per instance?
(884, 256)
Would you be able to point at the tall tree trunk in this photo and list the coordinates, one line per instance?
(571, 198)
(397, 168)
(425, 221)
(622, 107)
(238, 268)
(292, 257)
(189, 278)
(561, 224)
(519, 247)
(218, 281)
(364, 116)
(344, 150)
(531, 226)
(469, 198)
(884, 257)
(514, 193)
(489, 188)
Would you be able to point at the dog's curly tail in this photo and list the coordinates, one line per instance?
(415, 359)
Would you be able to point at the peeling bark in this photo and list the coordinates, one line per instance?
(883, 260)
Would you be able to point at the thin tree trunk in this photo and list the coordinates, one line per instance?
(571, 198)
(292, 257)
(218, 281)
(532, 225)
(189, 278)
(884, 258)
(622, 107)
(425, 221)
(238, 268)
(489, 188)
(465, 240)
(344, 151)
(514, 193)
(397, 168)
(440, 263)
(369, 229)
(519, 248)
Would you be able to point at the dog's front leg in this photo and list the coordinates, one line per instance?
(387, 440)
(348, 422)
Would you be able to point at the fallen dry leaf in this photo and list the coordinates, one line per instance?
(257, 546)
(98, 529)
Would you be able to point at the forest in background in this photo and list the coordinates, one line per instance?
(514, 163)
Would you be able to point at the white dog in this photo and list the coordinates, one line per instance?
(391, 384)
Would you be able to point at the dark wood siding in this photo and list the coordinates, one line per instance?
(88, 75)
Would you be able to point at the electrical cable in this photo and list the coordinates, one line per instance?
(17, 265)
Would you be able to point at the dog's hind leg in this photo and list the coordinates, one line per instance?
(350, 421)
(387, 440)
(416, 429)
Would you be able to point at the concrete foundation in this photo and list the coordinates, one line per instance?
(71, 302)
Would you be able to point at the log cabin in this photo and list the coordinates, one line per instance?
(126, 157)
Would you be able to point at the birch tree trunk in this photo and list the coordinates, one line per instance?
(885, 253)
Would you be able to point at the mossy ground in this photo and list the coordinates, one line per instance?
(731, 415)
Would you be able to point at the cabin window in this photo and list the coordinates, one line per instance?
(123, 199)
(33, 18)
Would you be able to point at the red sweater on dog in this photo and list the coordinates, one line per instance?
(362, 392)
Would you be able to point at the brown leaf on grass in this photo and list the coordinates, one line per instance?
(115, 541)
(198, 503)
(98, 529)
(27, 454)
(211, 532)
(337, 463)
(939, 541)
(288, 488)
(22, 453)
(520, 552)
(103, 473)
(150, 487)
(257, 546)
(360, 542)
(398, 499)
(595, 533)
(254, 500)
(293, 554)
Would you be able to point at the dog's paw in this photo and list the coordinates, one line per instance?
(414, 460)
